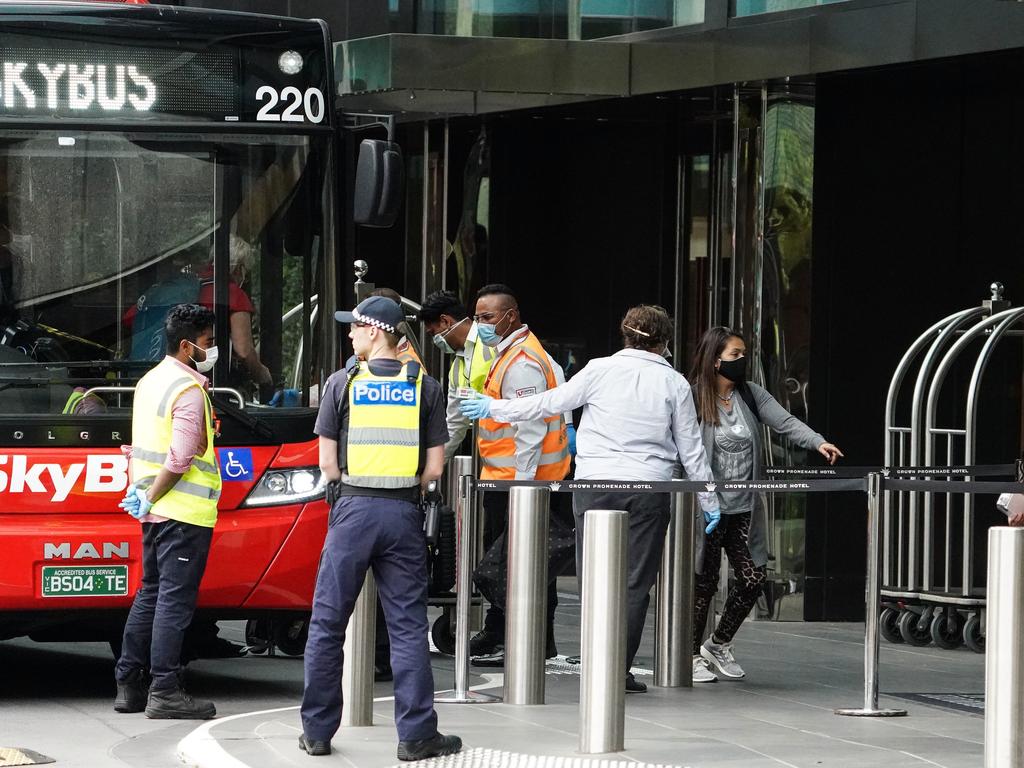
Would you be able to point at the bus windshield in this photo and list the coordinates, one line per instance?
(101, 233)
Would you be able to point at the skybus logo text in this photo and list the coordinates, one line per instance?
(102, 474)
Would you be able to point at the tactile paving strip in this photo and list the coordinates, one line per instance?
(11, 756)
(493, 758)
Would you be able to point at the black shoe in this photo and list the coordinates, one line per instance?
(576, 660)
(314, 748)
(382, 673)
(175, 704)
(552, 650)
(633, 685)
(486, 641)
(494, 659)
(424, 748)
(131, 693)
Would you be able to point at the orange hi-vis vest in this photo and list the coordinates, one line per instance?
(497, 438)
(406, 353)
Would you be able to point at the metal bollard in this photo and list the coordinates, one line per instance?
(358, 653)
(673, 640)
(526, 611)
(873, 604)
(1004, 649)
(464, 525)
(603, 678)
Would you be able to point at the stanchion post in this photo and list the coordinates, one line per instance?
(673, 667)
(1004, 649)
(526, 608)
(358, 653)
(465, 536)
(872, 606)
(603, 678)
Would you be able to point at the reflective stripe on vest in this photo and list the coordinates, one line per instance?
(383, 439)
(193, 499)
(497, 439)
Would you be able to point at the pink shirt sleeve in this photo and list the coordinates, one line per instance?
(187, 422)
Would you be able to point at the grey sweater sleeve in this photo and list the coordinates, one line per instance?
(782, 421)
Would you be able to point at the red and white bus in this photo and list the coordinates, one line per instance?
(152, 155)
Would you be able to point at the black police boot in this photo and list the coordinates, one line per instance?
(433, 747)
(131, 692)
(314, 748)
(382, 672)
(175, 704)
(552, 649)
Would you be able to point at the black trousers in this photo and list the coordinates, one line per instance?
(173, 561)
(491, 575)
(648, 522)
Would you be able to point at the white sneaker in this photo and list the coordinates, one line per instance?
(702, 671)
(721, 658)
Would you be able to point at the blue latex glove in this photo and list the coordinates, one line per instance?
(285, 398)
(712, 518)
(135, 502)
(476, 407)
(570, 432)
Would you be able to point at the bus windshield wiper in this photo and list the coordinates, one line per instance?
(253, 424)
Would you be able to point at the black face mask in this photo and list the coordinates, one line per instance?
(734, 370)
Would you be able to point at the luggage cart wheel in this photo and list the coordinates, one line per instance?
(442, 635)
(912, 630)
(888, 625)
(973, 638)
(947, 629)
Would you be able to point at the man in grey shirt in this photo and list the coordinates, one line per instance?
(638, 423)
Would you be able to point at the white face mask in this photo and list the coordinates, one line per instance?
(205, 365)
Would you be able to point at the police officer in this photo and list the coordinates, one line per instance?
(382, 434)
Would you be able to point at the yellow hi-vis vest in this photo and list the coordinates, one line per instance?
(479, 365)
(383, 440)
(193, 499)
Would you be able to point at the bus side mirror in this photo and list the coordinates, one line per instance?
(380, 177)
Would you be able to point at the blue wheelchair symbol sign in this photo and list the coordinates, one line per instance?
(235, 464)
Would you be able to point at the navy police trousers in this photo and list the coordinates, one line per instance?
(387, 536)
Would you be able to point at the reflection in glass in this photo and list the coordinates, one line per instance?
(753, 7)
(102, 233)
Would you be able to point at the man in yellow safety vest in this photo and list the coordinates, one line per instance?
(175, 486)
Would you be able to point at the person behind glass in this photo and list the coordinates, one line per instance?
(732, 435)
(174, 491)
(638, 424)
(381, 435)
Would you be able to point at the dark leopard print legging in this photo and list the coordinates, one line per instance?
(732, 533)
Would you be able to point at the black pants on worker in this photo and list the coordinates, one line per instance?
(491, 575)
(173, 560)
(648, 522)
(732, 534)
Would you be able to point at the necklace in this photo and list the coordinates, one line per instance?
(725, 400)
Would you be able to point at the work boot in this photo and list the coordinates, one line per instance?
(433, 747)
(175, 704)
(131, 692)
(633, 685)
(486, 642)
(314, 748)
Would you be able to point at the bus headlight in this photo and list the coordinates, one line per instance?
(286, 486)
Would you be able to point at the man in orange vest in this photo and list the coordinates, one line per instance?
(527, 450)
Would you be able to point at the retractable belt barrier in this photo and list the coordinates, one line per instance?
(602, 714)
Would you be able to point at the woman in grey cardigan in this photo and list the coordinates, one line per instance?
(731, 431)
